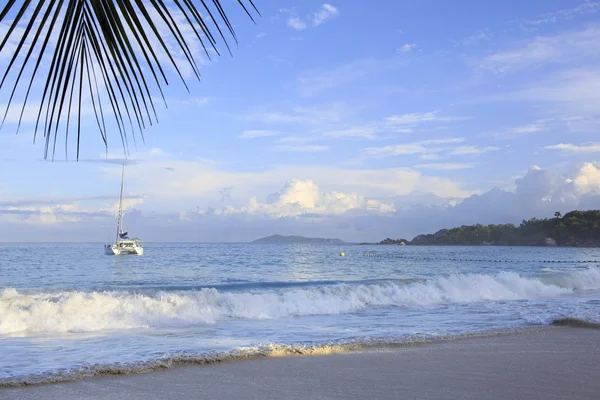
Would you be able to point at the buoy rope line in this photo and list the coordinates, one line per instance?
(487, 260)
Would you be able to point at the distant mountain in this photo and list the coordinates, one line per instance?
(280, 239)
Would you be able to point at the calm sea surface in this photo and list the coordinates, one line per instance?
(67, 310)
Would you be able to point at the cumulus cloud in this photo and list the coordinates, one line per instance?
(301, 207)
(169, 183)
(539, 193)
(352, 205)
(303, 197)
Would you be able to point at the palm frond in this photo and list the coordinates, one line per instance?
(107, 52)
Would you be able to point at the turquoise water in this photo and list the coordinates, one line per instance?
(67, 308)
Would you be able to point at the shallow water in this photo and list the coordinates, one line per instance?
(67, 307)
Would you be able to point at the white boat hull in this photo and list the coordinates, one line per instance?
(115, 250)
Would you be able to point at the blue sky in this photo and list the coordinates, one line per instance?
(341, 119)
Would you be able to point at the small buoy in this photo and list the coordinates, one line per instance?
(342, 254)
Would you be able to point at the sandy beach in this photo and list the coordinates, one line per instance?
(545, 363)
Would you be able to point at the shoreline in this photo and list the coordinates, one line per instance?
(269, 351)
(565, 353)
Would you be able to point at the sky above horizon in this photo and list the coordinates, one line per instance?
(339, 119)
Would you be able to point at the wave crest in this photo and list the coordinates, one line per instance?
(94, 311)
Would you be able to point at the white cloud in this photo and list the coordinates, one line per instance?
(326, 12)
(429, 156)
(327, 121)
(301, 198)
(569, 96)
(444, 166)
(128, 204)
(367, 132)
(397, 150)
(587, 7)
(586, 179)
(422, 147)
(412, 118)
(573, 148)
(47, 216)
(442, 141)
(296, 23)
(357, 205)
(175, 184)
(564, 47)
(251, 134)
(318, 115)
(539, 193)
(529, 128)
(302, 193)
(60, 211)
(301, 148)
(407, 48)
(469, 150)
(539, 125)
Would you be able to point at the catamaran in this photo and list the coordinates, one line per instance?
(123, 245)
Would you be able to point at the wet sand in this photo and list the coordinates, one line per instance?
(548, 363)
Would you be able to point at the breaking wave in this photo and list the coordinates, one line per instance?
(94, 311)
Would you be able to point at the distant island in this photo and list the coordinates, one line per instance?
(401, 242)
(280, 239)
(574, 229)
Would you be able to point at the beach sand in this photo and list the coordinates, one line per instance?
(545, 363)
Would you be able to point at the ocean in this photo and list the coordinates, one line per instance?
(67, 311)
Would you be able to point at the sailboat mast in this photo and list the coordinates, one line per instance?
(120, 219)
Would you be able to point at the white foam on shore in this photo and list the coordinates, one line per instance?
(246, 353)
(96, 311)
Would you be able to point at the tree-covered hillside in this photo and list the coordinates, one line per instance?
(576, 228)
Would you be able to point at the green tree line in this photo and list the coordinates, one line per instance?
(576, 228)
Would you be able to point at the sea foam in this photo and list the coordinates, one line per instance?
(271, 350)
(73, 311)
